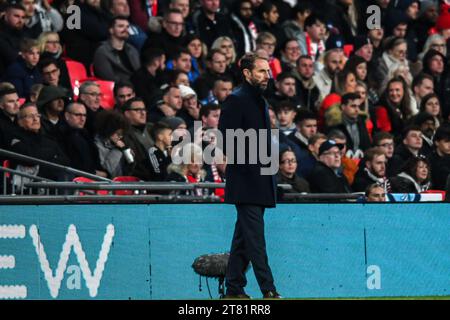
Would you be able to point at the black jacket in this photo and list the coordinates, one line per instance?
(324, 180)
(246, 109)
(440, 170)
(210, 30)
(9, 45)
(163, 40)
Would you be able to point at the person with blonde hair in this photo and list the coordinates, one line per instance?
(225, 44)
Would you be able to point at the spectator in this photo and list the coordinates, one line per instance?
(80, 44)
(147, 80)
(440, 158)
(366, 108)
(209, 115)
(169, 106)
(51, 49)
(415, 178)
(11, 34)
(286, 112)
(410, 147)
(295, 26)
(226, 45)
(427, 125)
(270, 21)
(268, 42)
(223, 86)
(309, 158)
(435, 42)
(305, 87)
(312, 40)
(372, 170)
(135, 112)
(9, 108)
(324, 78)
(426, 20)
(137, 36)
(116, 60)
(290, 52)
(344, 16)
(197, 49)
(110, 129)
(31, 142)
(306, 127)
(422, 85)
(185, 8)
(78, 145)
(190, 111)
(90, 96)
(385, 141)
(171, 37)
(363, 48)
(375, 193)
(51, 103)
(51, 74)
(41, 17)
(287, 173)
(353, 125)
(324, 177)
(243, 26)
(182, 61)
(285, 86)
(123, 91)
(24, 72)
(430, 104)
(349, 166)
(160, 152)
(35, 91)
(141, 12)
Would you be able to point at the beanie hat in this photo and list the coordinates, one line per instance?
(186, 91)
(50, 93)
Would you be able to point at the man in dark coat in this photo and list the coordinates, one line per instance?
(325, 177)
(247, 185)
(440, 158)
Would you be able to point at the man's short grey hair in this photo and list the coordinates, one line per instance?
(88, 84)
(70, 106)
(336, 134)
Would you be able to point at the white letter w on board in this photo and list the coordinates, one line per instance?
(72, 240)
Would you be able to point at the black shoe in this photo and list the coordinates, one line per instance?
(236, 296)
(271, 295)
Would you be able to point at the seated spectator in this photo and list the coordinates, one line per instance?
(287, 175)
(268, 42)
(427, 126)
(270, 20)
(51, 104)
(431, 105)
(286, 112)
(135, 112)
(31, 142)
(385, 141)
(123, 91)
(440, 158)
(353, 125)
(159, 154)
(285, 86)
(24, 72)
(243, 26)
(51, 74)
(415, 178)
(372, 170)
(312, 40)
(349, 166)
(375, 193)
(35, 91)
(410, 147)
(90, 96)
(209, 115)
(41, 17)
(9, 108)
(295, 26)
(78, 145)
(305, 87)
(223, 86)
(181, 60)
(324, 78)
(147, 80)
(216, 173)
(168, 106)
(190, 111)
(226, 45)
(116, 158)
(11, 34)
(325, 178)
(306, 126)
(116, 60)
(290, 52)
(309, 159)
(197, 50)
(422, 86)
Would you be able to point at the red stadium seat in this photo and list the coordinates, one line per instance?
(77, 72)
(125, 179)
(87, 180)
(6, 164)
(107, 90)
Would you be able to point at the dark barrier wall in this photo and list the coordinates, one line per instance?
(146, 251)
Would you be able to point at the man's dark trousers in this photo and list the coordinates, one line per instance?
(248, 245)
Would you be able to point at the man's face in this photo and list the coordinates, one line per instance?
(387, 145)
(376, 34)
(15, 18)
(222, 89)
(259, 76)
(377, 194)
(413, 140)
(287, 87)
(183, 6)
(433, 107)
(431, 14)
(30, 119)
(307, 127)
(400, 30)
(120, 8)
(120, 29)
(56, 106)
(246, 10)
(29, 7)
(306, 68)
(91, 97)
(428, 128)
(124, 94)
(211, 6)
(377, 166)
(437, 64)
(212, 120)
(366, 52)
(174, 24)
(395, 92)
(31, 57)
(173, 99)
(286, 117)
(218, 63)
(316, 31)
(443, 146)
(50, 74)
(351, 109)
(424, 88)
(76, 117)
(332, 64)
(183, 63)
(332, 158)
(137, 114)
(413, 10)
(10, 104)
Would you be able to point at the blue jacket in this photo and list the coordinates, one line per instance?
(22, 77)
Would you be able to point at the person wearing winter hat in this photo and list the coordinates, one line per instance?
(362, 46)
(190, 110)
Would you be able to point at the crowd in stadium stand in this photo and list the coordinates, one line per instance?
(106, 94)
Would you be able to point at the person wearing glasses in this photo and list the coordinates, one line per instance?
(89, 95)
(78, 145)
(287, 173)
(325, 176)
(51, 74)
(414, 178)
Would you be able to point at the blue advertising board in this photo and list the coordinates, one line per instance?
(120, 251)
